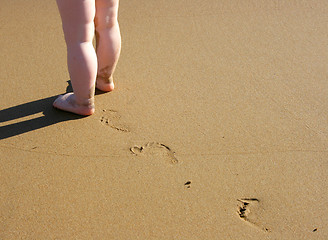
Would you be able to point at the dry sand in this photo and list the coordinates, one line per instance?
(217, 129)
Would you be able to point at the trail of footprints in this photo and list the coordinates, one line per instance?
(247, 207)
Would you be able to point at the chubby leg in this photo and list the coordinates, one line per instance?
(108, 42)
(78, 26)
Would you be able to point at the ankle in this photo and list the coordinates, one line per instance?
(85, 102)
(105, 79)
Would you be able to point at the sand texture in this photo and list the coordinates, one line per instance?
(217, 128)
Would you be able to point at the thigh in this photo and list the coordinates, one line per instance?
(77, 19)
(106, 13)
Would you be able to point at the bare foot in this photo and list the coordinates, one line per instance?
(105, 84)
(69, 103)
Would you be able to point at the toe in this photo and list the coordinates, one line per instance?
(55, 103)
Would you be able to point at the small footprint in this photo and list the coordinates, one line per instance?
(155, 149)
(187, 184)
(112, 118)
(248, 209)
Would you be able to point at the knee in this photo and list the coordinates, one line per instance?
(106, 15)
(107, 23)
(79, 33)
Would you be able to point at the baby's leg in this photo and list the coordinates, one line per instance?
(108, 42)
(78, 26)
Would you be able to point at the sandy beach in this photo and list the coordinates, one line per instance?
(217, 128)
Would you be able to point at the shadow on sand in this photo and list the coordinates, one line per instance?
(50, 116)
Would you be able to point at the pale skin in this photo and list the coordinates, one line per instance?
(89, 68)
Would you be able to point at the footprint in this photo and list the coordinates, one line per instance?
(248, 210)
(155, 149)
(187, 184)
(112, 118)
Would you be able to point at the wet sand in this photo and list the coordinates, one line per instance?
(217, 128)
